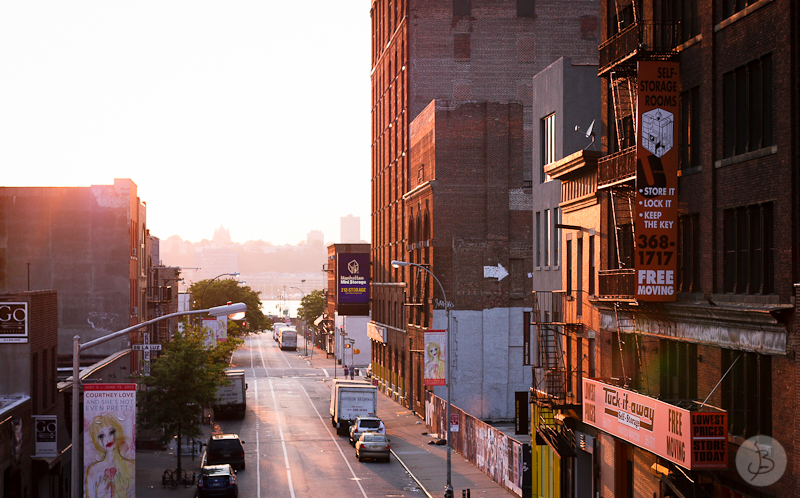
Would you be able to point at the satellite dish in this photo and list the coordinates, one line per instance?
(589, 133)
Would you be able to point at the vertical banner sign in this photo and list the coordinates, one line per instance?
(521, 412)
(46, 442)
(656, 217)
(222, 329)
(109, 455)
(435, 356)
(353, 278)
(210, 329)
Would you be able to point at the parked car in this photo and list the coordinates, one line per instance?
(225, 448)
(217, 480)
(373, 445)
(365, 424)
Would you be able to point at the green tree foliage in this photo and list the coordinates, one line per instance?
(312, 307)
(210, 293)
(182, 381)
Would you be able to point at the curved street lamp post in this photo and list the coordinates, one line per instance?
(76, 352)
(448, 489)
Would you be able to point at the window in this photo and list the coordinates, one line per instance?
(547, 237)
(568, 268)
(624, 360)
(548, 143)
(592, 269)
(579, 275)
(689, 253)
(461, 46)
(556, 236)
(678, 370)
(747, 102)
(538, 238)
(747, 392)
(748, 246)
(731, 7)
(462, 7)
(421, 175)
(690, 130)
(526, 8)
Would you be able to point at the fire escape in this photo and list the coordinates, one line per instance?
(635, 35)
(555, 381)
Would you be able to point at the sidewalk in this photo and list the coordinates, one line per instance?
(426, 463)
(150, 466)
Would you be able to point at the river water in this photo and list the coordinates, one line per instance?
(277, 306)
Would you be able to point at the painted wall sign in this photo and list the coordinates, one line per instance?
(656, 209)
(45, 429)
(14, 322)
(352, 278)
(693, 440)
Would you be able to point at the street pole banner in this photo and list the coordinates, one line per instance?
(656, 220)
(210, 329)
(109, 429)
(222, 329)
(435, 357)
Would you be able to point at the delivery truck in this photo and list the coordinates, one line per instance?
(287, 338)
(351, 399)
(231, 399)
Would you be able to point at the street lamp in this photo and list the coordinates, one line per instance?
(448, 489)
(77, 347)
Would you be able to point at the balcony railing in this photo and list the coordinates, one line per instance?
(617, 167)
(649, 40)
(617, 283)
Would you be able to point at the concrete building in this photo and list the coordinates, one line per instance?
(87, 243)
(463, 52)
(688, 337)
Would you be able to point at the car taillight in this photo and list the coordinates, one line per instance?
(200, 483)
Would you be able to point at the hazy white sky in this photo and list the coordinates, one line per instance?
(254, 115)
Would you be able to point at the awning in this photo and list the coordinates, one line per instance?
(318, 320)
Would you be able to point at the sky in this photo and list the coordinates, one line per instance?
(252, 115)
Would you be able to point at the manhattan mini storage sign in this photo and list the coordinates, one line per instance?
(693, 440)
(657, 181)
(353, 278)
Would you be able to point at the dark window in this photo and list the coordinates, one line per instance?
(689, 253)
(569, 267)
(747, 392)
(690, 129)
(622, 247)
(733, 6)
(592, 269)
(579, 276)
(678, 370)
(747, 107)
(526, 8)
(462, 7)
(461, 46)
(748, 247)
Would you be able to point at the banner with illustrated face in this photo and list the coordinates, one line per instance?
(109, 430)
(435, 355)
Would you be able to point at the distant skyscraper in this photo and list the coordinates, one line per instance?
(350, 229)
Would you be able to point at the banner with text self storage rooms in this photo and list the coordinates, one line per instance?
(656, 220)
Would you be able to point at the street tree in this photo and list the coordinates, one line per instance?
(183, 379)
(312, 306)
(210, 293)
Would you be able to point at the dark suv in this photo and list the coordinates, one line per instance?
(217, 480)
(225, 448)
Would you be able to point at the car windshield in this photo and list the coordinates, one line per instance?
(370, 424)
(374, 438)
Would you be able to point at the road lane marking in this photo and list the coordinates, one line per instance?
(335, 442)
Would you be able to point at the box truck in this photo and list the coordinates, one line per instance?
(351, 399)
(231, 399)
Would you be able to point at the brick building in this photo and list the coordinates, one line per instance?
(88, 243)
(693, 315)
(457, 52)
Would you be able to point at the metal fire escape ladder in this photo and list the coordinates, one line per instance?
(622, 199)
(552, 382)
(626, 324)
(623, 91)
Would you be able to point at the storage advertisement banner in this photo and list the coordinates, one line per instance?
(353, 278)
(693, 440)
(435, 357)
(656, 209)
(109, 429)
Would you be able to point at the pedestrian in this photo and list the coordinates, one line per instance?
(345, 370)
(352, 371)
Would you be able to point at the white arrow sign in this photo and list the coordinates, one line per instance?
(497, 272)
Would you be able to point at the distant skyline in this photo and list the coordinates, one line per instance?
(252, 115)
